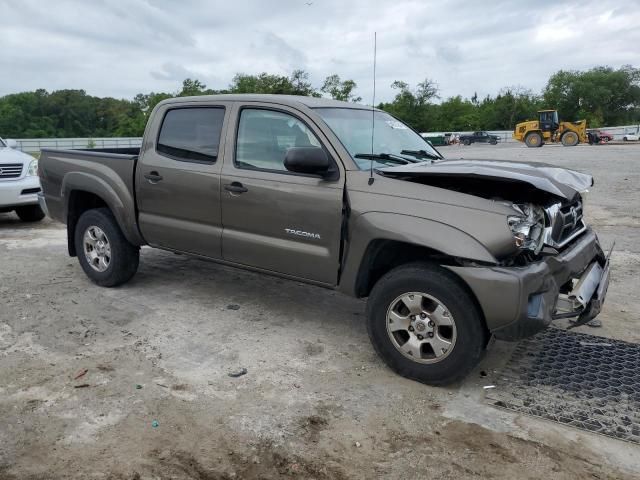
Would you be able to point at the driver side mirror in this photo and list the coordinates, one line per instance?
(12, 143)
(309, 160)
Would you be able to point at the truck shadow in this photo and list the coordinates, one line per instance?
(211, 284)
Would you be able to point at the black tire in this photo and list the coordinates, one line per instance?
(534, 140)
(493, 142)
(124, 257)
(30, 213)
(466, 141)
(625, 139)
(571, 139)
(471, 334)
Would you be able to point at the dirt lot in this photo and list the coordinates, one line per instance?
(316, 402)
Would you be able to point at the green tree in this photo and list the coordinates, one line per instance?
(194, 87)
(602, 95)
(414, 106)
(339, 89)
(458, 114)
(296, 84)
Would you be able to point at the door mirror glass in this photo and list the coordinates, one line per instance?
(310, 160)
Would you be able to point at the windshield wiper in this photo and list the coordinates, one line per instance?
(420, 154)
(389, 157)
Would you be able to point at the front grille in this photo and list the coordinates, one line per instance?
(10, 170)
(567, 222)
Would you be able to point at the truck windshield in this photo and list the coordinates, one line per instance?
(353, 127)
(2, 144)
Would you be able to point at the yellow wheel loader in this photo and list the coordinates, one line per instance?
(547, 129)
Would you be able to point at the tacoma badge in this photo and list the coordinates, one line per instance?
(301, 233)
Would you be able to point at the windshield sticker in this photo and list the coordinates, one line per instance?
(396, 124)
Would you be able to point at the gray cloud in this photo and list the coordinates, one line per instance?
(120, 48)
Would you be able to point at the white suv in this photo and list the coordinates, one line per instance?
(631, 135)
(19, 183)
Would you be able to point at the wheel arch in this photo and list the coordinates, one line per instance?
(382, 241)
(82, 192)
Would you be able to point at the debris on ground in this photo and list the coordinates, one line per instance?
(82, 385)
(239, 373)
(81, 373)
(138, 386)
(233, 306)
(155, 424)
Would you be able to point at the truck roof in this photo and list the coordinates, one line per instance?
(290, 100)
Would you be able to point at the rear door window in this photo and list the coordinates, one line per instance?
(191, 134)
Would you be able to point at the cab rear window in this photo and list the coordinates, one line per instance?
(191, 134)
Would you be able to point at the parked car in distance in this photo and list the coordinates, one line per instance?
(631, 135)
(448, 252)
(479, 137)
(601, 135)
(19, 183)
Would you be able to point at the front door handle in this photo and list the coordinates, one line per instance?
(235, 187)
(153, 177)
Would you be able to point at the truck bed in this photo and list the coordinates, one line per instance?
(107, 173)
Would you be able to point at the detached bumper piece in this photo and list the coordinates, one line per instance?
(587, 297)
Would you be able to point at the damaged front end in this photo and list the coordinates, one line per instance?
(557, 269)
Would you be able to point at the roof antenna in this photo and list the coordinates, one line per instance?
(373, 105)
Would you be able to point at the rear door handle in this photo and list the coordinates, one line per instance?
(235, 187)
(153, 177)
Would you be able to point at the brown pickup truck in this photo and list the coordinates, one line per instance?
(344, 197)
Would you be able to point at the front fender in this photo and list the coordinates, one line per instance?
(117, 197)
(432, 234)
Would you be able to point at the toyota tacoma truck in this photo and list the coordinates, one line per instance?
(447, 252)
(19, 184)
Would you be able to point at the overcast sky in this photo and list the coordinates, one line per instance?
(120, 48)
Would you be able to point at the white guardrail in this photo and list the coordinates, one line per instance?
(34, 145)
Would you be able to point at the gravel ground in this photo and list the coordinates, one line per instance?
(156, 400)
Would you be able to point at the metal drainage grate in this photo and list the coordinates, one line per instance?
(588, 382)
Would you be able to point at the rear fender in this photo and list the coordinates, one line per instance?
(120, 202)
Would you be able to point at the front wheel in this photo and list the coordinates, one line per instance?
(104, 253)
(467, 142)
(570, 139)
(425, 324)
(30, 213)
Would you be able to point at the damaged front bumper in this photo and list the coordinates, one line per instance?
(520, 301)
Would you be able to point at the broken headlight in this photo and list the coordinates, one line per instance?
(528, 227)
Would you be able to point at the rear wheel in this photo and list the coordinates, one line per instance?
(533, 140)
(625, 139)
(425, 325)
(569, 139)
(467, 141)
(30, 213)
(104, 253)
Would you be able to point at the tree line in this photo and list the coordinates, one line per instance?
(601, 95)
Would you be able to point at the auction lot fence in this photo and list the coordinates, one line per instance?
(34, 145)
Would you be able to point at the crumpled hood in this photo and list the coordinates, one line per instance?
(9, 155)
(554, 180)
